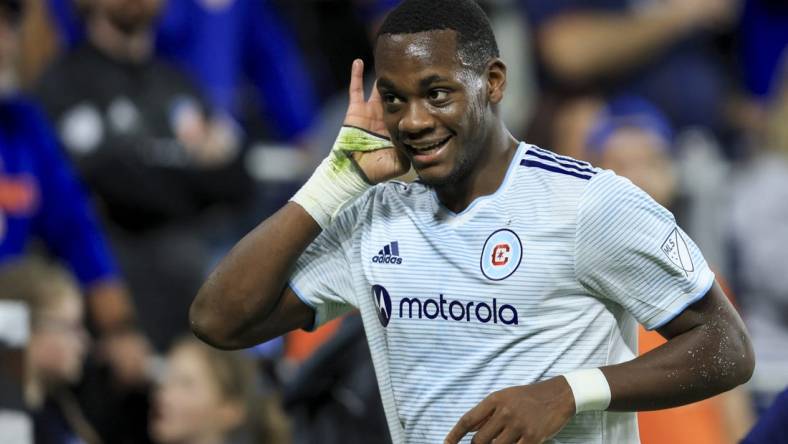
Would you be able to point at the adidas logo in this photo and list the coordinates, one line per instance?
(388, 255)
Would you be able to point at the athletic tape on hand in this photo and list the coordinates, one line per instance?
(337, 181)
(590, 389)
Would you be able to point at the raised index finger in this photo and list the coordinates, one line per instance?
(356, 89)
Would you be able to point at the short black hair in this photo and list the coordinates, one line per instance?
(475, 39)
(12, 10)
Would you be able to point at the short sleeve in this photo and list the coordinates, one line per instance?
(322, 276)
(628, 249)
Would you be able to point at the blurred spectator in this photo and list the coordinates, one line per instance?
(211, 396)
(655, 49)
(148, 146)
(56, 349)
(764, 38)
(633, 138)
(41, 199)
(241, 52)
(759, 235)
(772, 427)
(246, 57)
(334, 396)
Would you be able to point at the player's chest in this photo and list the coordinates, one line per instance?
(481, 275)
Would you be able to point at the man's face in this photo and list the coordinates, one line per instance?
(643, 158)
(435, 109)
(129, 15)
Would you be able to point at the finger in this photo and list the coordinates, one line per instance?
(356, 89)
(510, 436)
(375, 104)
(469, 422)
(374, 96)
(489, 431)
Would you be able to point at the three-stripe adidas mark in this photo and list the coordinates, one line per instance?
(389, 254)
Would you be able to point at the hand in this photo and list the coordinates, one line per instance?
(127, 354)
(528, 414)
(380, 165)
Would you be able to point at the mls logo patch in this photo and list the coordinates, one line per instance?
(675, 248)
(501, 255)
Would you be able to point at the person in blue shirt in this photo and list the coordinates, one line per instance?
(763, 42)
(656, 50)
(41, 199)
(772, 427)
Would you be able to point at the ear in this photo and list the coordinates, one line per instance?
(496, 80)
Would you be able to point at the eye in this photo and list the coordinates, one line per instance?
(390, 99)
(438, 95)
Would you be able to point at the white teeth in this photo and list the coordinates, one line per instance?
(429, 147)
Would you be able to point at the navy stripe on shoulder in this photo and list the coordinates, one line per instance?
(554, 169)
(565, 165)
(564, 158)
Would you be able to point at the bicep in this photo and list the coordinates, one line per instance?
(290, 313)
(713, 310)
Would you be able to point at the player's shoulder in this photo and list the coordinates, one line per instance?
(387, 200)
(549, 165)
(397, 194)
(571, 183)
(553, 179)
(565, 171)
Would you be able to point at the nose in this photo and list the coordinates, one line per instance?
(416, 121)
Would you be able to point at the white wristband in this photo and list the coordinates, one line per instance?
(590, 389)
(337, 181)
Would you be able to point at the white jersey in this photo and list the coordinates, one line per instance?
(549, 274)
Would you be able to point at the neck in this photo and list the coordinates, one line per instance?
(134, 46)
(487, 174)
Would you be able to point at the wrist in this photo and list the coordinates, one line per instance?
(337, 181)
(590, 389)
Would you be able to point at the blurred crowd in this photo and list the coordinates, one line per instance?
(140, 138)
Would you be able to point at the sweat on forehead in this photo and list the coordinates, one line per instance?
(431, 48)
(475, 40)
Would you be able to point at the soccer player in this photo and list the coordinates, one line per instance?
(501, 291)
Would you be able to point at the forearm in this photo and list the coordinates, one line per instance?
(246, 286)
(245, 300)
(581, 46)
(701, 362)
(110, 306)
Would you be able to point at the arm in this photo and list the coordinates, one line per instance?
(245, 300)
(579, 46)
(708, 352)
(630, 252)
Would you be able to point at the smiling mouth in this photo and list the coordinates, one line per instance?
(427, 149)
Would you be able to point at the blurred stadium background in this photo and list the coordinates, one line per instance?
(140, 138)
